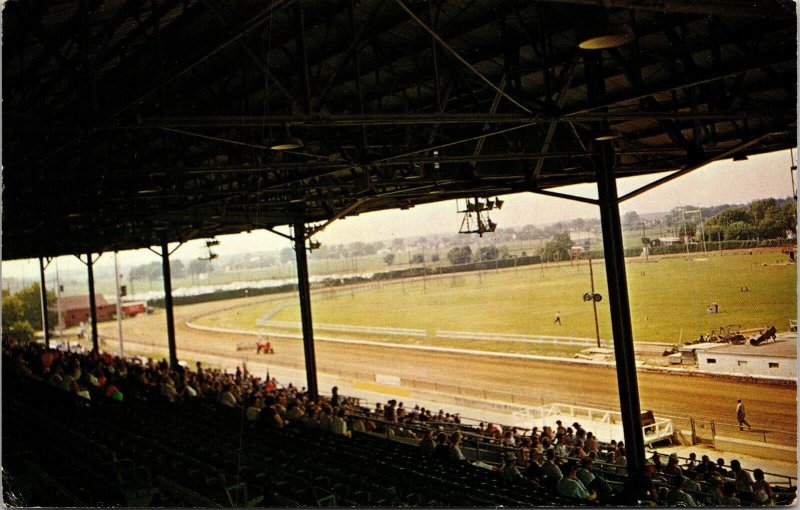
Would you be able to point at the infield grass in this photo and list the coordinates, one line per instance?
(669, 298)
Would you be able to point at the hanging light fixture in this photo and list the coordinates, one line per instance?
(287, 142)
(602, 34)
(607, 135)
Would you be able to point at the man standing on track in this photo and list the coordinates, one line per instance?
(740, 415)
(558, 318)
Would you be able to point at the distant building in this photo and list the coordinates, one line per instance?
(75, 309)
(777, 359)
(665, 241)
(584, 238)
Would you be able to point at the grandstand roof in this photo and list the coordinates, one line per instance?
(130, 122)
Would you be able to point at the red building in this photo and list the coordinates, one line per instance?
(75, 309)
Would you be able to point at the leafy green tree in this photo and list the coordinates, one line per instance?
(12, 310)
(728, 216)
(198, 266)
(30, 297)
(489, 253)
(15, 326)
(177, 268)
(763, 209)
(739, 230)
(689, 230)
(417, 259)
(21, 331)
(388, 259)
(557, 248)
(631, 219)
(714, 232)
(460, 255)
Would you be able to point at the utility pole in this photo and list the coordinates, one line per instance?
(594, 304)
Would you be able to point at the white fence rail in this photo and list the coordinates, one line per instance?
(512, 337)
(348, 329)
(547, 414)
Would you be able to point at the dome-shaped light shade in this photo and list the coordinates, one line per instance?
(287, 143)
(603, 37)
(607, 136)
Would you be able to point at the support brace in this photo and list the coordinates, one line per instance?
(92, 304)
(304, 291)
(165, 253)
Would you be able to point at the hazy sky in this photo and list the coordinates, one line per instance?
(719, 183)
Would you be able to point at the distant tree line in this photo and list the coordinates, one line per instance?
(768, 218)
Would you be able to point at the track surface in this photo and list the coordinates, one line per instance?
(769, 405)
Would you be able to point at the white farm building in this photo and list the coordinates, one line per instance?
(772, 359)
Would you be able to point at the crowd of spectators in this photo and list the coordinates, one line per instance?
(565, 460)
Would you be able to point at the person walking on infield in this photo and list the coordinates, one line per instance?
(558, 318)
(740, 415)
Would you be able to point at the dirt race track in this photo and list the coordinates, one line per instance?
(770, 405)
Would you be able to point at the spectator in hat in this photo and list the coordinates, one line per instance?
(591, 480)
(508, 470)
(571, 487)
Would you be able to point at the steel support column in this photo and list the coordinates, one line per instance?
(173, 356)
(604, 159)
(305, 308)
(92, 306)
(43, 298)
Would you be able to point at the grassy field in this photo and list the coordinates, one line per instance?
(669, 298)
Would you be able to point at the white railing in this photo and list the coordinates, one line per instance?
(512, 337)
(344, 328)
(658, 431)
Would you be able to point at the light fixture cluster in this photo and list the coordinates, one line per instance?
(311, 230)
(209, 244)
(476, 218)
